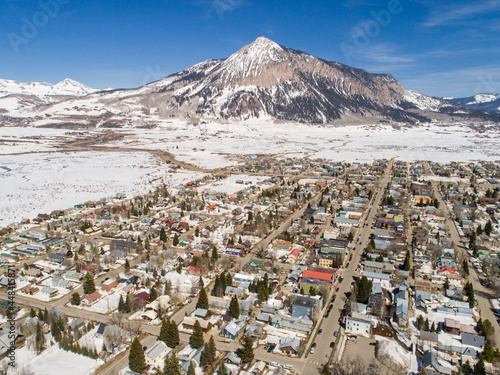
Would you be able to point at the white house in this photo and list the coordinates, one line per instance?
(155, 356)
(359, 324)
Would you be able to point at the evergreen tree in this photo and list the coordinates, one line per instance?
(128, 305)
(172, 334)
(216, 286)
(201, 284)
(234, 308)
(479, 368)
(438, 329)
(32, 313)
(88, 283)
(433, 327)
(208, 354)
(172, 365)
(246, 353)
(136, 358)
(153, 294)
(176, 240)
(75, 299)
(164, 330)
(446, 284)
(215, 254)
(420, 322)
(179, 268)
(466, 368)
(488, 228)
(190, 370)
(202, 299)
(263, 293)
(465, 266)
(488, 353)
(229, 279)
(163, 235)
(197, 232)
(222, 370)
(469, 292)
(363, 289)
(39, 338)
(426, 325)
(196, 340)
(407, 264)
(325, 370)
(223, 284)
(127, 267)
(422, 371)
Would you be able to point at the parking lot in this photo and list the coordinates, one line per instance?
(363, 349)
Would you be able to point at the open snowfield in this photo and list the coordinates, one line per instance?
(40, 181)
(349, 143)
(37, 183)
(52, 361)
(230, 186)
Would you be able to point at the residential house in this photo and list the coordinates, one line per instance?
(232, 330)
(358, 324)
(155, 356)
(89, 299)
(304, 305)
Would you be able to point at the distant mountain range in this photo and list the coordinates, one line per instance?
(65, 87)
(263, 81)
(483, 102)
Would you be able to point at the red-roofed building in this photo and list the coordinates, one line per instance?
(110, 286)
(446, 270)
(318, 275)
(140, 300)
(89, 299)
(196, 271)
(293, 255)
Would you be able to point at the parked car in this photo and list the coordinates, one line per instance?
(288, 367)
(313, 348)
(275, 364)
(320, 332)
(332, 344)
(352, 338)
(336, 333)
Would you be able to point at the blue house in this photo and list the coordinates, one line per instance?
(304, 305)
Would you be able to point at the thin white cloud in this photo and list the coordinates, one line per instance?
(461, 12)
(456, 83)
(383, 53)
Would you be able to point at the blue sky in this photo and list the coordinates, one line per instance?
(439, 48)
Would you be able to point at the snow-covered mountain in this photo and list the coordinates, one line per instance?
(483, 102)
(65, 87)
(262, 80)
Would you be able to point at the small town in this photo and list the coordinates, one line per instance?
(273, 266)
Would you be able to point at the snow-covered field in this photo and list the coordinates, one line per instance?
(349, 143)
(41, 182)
(52, 361)
(230, 186)
(37, 183)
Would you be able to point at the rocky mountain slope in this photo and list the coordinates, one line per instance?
(263, 80)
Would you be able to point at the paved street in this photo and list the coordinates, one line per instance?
(482, 294)
(331, 324)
